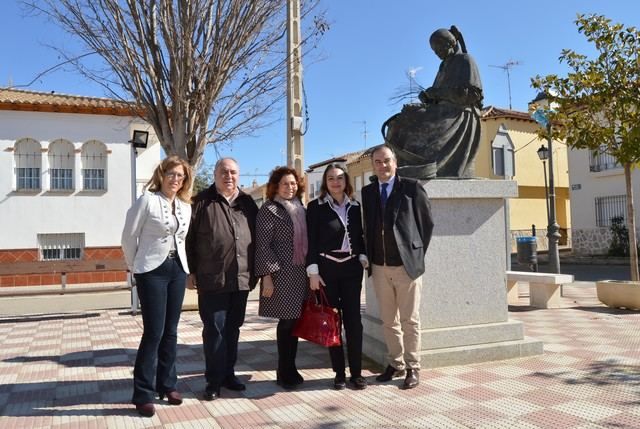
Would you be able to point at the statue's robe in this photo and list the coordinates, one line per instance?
(446, 132)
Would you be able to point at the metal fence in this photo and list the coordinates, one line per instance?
(608, 208)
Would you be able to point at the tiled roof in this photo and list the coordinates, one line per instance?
(347, 157)
(32, 101)
(491, 112)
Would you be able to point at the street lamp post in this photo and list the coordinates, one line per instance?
(553, 229)
(139, 140)
(543, 154)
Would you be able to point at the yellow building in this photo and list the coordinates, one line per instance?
(508, 150)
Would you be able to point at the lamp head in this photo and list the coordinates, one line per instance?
(139, 139)
(543, 153)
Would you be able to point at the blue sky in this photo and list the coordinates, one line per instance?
(366, 55)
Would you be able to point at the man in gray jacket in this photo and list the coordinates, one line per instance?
(220, 252)
(398, 227)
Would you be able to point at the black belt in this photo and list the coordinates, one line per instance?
(172, 254)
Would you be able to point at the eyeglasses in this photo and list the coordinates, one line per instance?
(173, 175)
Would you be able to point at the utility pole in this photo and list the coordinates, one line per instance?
(507, 67)
(295, 142)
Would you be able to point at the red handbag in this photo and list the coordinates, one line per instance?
(319, 323)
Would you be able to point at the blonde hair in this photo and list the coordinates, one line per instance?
(155, 183)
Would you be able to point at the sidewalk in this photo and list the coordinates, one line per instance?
(74, 371)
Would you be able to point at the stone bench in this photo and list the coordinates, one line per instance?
(544, 288)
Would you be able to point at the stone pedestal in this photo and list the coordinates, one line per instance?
(464, 317)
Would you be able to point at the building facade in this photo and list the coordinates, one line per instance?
(598, 197)
(66, 184)
(508, 150)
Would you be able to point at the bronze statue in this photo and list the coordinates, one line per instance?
(440, 136)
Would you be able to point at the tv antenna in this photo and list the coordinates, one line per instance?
(411, 75)
(507, 67)
(365, 133)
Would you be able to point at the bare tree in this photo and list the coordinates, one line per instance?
(199, 71)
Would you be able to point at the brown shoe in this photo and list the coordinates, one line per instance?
(173, 397)
(412, 379)
(146, 410)
(389, 374)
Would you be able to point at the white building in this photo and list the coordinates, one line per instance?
(315, 171)
(65, 184)
(598, 195)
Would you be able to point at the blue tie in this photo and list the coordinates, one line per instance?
(383, 194)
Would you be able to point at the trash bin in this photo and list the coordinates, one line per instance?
(527, 253)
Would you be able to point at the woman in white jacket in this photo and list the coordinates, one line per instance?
(153, 245)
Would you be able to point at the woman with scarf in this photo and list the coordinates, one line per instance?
(281, 249)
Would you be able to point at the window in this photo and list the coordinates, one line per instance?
(28, 159)
(94, 166)
(358, 183)
(311, 191)
(61, 162)
(55, 247)
(599, 160)
(502, 159)
(608, 208)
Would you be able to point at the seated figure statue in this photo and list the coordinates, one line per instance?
(440, 135)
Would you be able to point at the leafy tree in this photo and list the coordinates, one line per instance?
(203, 178)
(597, 104)
(200, 71)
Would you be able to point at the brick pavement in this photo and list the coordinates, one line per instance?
(74, 371)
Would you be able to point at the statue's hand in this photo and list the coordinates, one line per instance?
(427, 96)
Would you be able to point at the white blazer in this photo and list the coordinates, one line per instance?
(146, 237)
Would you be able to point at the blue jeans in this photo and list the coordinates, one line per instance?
(161, 293)
(222, 316)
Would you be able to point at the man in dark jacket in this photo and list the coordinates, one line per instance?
(398, 226)
(220, 253)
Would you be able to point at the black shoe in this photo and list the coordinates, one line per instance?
(289, 383)
(340, 382)
(297, 378)
(412, 379)
(211, 394)
(389, 374)
(233, 383)
(358, 382)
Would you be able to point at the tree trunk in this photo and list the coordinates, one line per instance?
(631, 224)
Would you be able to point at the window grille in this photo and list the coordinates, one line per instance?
(61, 178)
(28, 178)
(28, 160)
(54, 247)
(93, 179)
(61, 163)
(609, 207)
(599, 160)
(94, 166)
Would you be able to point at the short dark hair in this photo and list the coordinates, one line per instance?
(348, 187)
(274, 181)
(383, 146)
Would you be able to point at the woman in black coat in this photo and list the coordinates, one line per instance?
(335, 261)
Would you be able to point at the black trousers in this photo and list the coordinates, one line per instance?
(222, 315)
(343, 286)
